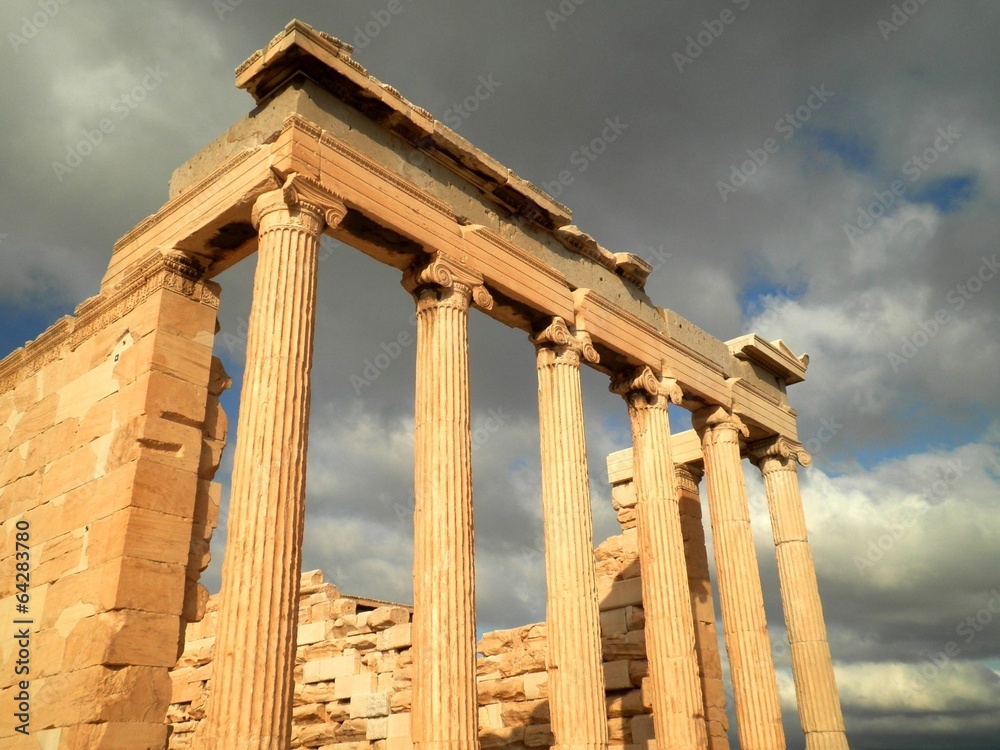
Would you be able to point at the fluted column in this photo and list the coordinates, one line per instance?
(445, 708)
(702, 606)
(250, 704)
(755, 689)
(677, 702)
(812, 665)
(575, 664)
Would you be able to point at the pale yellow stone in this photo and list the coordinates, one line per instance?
(313, 632)
(758, 712)
(331, 669)
(812, 667)
(351, 685)
(111, 432)
(616, 675)
(618, 594)
(399, 725)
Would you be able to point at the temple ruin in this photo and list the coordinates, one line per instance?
(112, 432)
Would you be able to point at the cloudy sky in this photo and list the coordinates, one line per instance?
(826, 173)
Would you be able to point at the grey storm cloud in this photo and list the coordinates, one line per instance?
(812, 240)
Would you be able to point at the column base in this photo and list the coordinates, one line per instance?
(446, 745)
(584, 746)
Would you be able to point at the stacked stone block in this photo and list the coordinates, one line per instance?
(106, 459)
(702, 602)
(352, 676)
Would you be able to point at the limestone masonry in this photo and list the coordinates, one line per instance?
(111, 433)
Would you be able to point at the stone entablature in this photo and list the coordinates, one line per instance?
(364, 139)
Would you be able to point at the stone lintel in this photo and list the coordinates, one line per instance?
(685, 448)
(774, 356)
(402, 206)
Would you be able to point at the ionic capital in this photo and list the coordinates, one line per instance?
(556, 344)
(777, 453)
(307, 202)
(717, 419)
(443, 280)
(641, 388)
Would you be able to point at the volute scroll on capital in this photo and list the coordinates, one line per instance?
(641, 386)
(779, 447)
(305, 194)
(444, 272)
(556, 343)
(718, 417)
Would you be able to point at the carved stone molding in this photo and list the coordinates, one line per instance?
(718, 418)
(161, 269)
(778, 447)
(688, 477)
(556, 344)
(442, 280)
(641, 388)
(304, 195)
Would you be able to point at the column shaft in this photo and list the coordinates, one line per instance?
(445, 709)
(576, 673)
(812, 665)
(703, 607)
(677, 701)
(755, 689)
(250, 704)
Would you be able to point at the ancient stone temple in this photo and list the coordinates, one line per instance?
(111, 433)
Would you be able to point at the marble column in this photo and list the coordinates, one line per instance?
(445, 710)
(755, 689)
(250, 702)
(702, 606)
(575, 664)
(677, 701)
(812, 665)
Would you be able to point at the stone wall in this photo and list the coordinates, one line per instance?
(513, 683)
(623, 498)
(352, 674)
(110, 433)
(353, 671)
